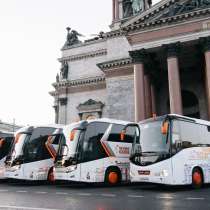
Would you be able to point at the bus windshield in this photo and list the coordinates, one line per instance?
(69, 147)
(5, 144)
(153, 147)
(151, 138)
(35, 149)
(53, 142)
(17, 147)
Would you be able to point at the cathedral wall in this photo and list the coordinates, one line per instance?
(84, 48)
(76, 98)
(118, 48)
(85, 68)
(120, 97)
(62, 111)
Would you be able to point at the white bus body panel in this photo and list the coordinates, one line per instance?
(92, 171)
(2, 168)
(176, 170)
(30, 171)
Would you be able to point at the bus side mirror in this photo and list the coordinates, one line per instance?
(164, 128)
(122, 135)
(65, 150)
(72, 135)
(2, 142)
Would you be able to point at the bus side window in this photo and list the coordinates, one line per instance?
(204, 135)
(131, 133)
(92, 148)
(56, 139)
(187, 134)
(114, 135)
(116, 130)
(176, 137)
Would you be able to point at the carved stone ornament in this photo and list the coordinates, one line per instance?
(91, 107)
(188, 6)
(64, 70)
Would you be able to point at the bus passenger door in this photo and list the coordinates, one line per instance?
(119, 143)
(93, 154)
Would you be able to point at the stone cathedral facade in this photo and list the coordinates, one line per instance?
(154, 60)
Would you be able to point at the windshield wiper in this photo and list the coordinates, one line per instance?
(155, 152)
(150, 152)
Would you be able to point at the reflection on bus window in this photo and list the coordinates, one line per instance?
(92, 148)
(187, 134)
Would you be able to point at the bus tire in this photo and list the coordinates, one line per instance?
(113, 176)
(50, 176)
(197, 178)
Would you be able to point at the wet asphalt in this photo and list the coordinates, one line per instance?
(66, 196)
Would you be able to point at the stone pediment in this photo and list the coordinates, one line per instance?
(90, 106)
(168, 12)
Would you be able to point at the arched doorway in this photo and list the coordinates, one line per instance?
(190, 104)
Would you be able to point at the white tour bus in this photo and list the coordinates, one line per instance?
(5, 144)
(29, 158)
(94, 151)
(172, 150)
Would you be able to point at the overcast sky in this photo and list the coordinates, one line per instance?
(32, 33)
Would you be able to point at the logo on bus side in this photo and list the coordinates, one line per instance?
(124, 150)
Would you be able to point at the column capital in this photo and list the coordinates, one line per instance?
(172, 50)
(138, 56)
(205, 43)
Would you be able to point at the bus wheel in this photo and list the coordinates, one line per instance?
(197, 178)
(50, 177)
(113, 176)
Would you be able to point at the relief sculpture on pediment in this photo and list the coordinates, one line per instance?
(188, 6)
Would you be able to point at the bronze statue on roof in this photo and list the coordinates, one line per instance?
(137, 6)
(72, 37)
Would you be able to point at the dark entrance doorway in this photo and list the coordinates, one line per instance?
(190, 104)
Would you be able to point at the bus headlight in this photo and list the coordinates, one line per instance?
(16, 167)
(164, 173)
(71, 168)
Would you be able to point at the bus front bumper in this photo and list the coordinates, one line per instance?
(151, 175)
(13, 172)
(66, 173)
(2, 172)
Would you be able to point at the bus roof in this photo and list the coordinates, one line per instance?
(176, 116)
(107, 120)
(6, 134)
(30, 128)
